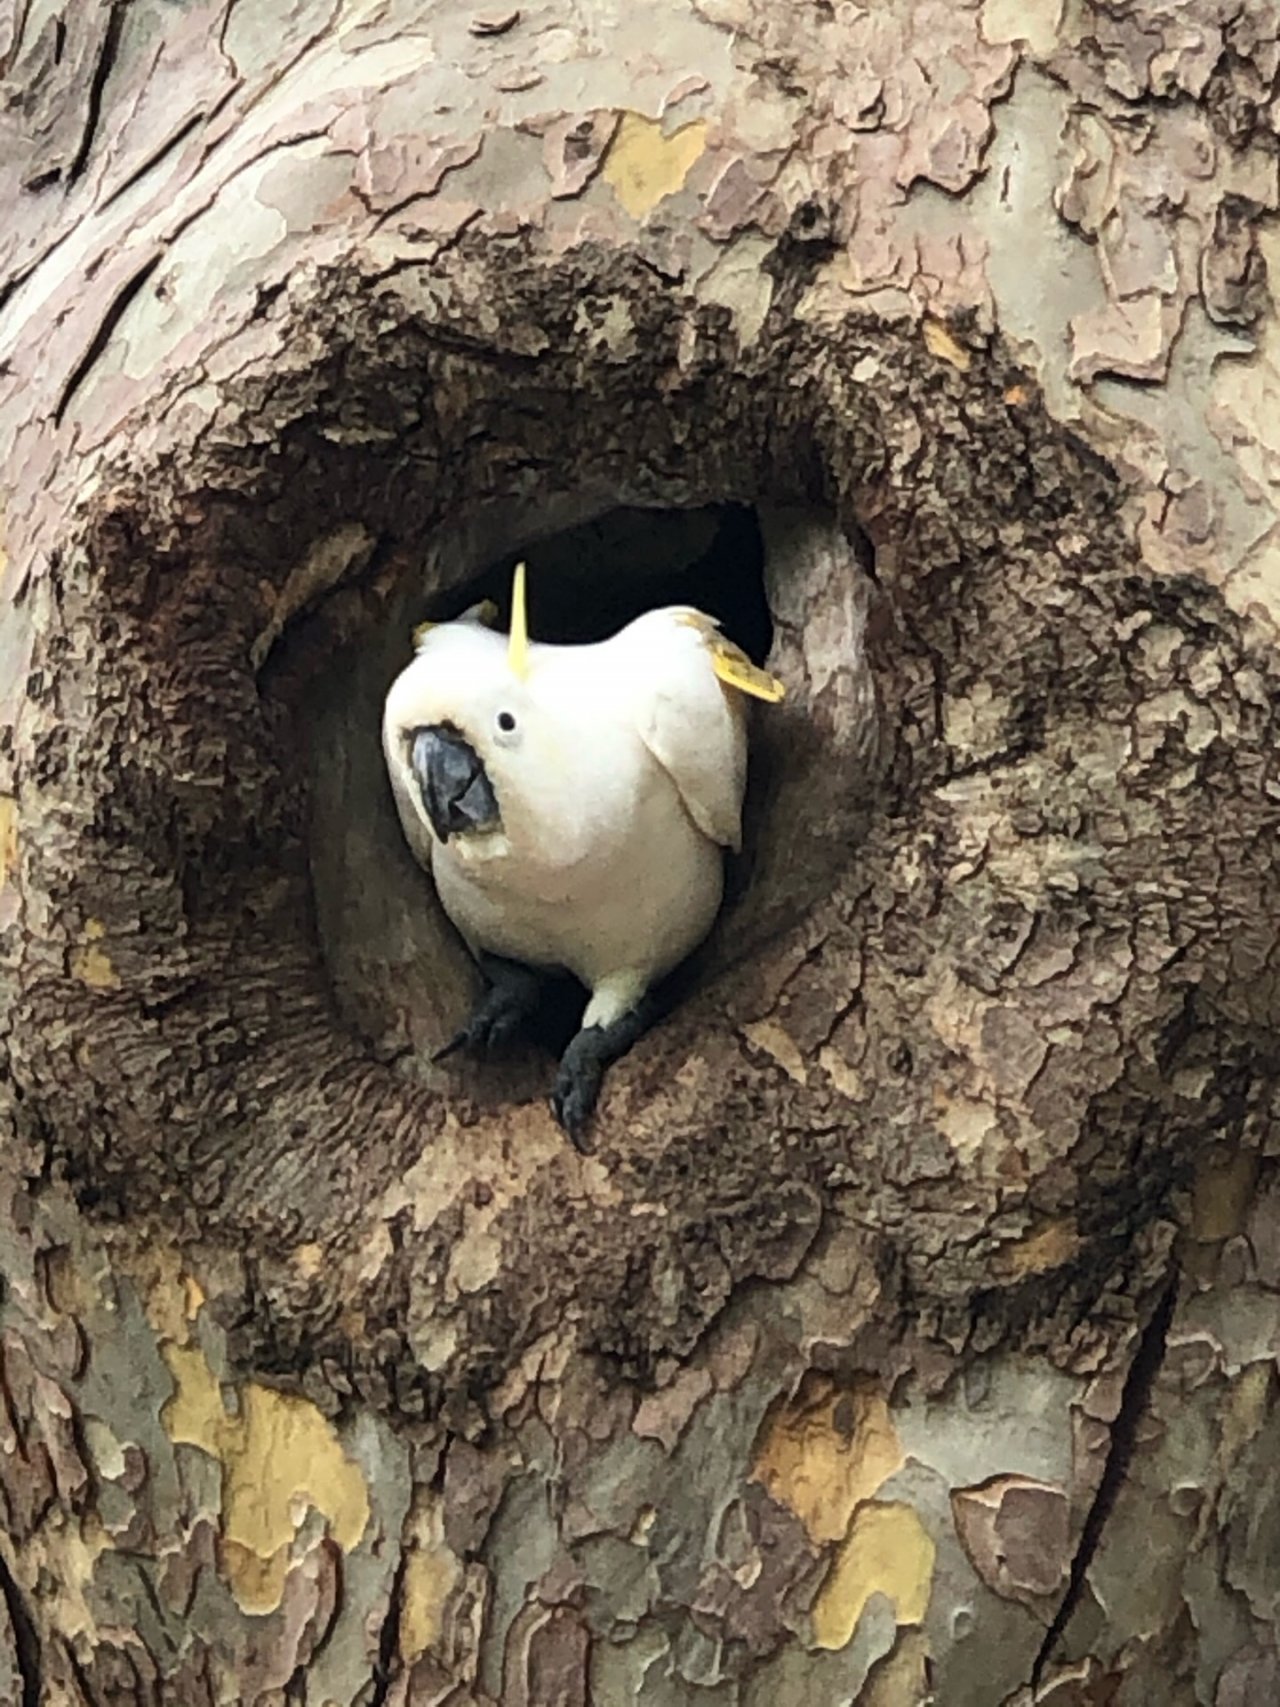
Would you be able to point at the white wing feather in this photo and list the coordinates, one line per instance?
(697, 733)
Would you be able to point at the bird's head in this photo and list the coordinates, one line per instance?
(456, 720)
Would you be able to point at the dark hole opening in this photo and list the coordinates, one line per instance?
(398, 973)
(587, 582)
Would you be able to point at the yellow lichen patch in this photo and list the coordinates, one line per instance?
(256, 1583)
(643, 166)
(195, 1415)
(91, 963)
(888, 1551)
(827, 1450)
(8, 836)
(1043, 1248)
(279, 1456)
(170, 1296)
(939, 342)
(429, 1578)
(432, 1571)
(288, 1456)
(1221, 1196)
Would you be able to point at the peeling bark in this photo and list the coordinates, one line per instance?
(912, 1334)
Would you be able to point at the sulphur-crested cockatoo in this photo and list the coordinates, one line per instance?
(572, 804)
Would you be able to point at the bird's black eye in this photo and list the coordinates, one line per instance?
(506, 722)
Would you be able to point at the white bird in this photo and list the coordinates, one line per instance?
(572, 804)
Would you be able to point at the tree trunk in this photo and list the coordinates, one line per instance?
(912, 1333)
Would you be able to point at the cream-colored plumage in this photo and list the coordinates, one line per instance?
(618, 771)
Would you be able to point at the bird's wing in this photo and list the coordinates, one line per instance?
(697, 730)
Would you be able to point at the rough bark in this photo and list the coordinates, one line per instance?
(912, 1334)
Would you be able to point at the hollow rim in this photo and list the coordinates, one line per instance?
(174, 923)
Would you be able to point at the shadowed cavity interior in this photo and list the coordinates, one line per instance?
(587, 582)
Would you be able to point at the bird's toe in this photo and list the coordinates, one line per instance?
(504, 1029)
(496, 1022)
(460, 1040)
(572, 1102)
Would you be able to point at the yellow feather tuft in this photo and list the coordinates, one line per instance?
(421, 632)
(518, 645)
(731, 664)
(736, 670)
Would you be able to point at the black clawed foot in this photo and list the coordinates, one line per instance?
(574, 1098)
(460, 1040)
(511, 999)
(582, 1069)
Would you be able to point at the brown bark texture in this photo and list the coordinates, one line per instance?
(911, 1334)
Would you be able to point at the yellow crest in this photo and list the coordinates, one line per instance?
(731, 664)
(518, 644)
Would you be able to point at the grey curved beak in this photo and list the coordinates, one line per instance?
(455, 786)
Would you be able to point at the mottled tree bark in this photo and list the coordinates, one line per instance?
(912, 1333)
